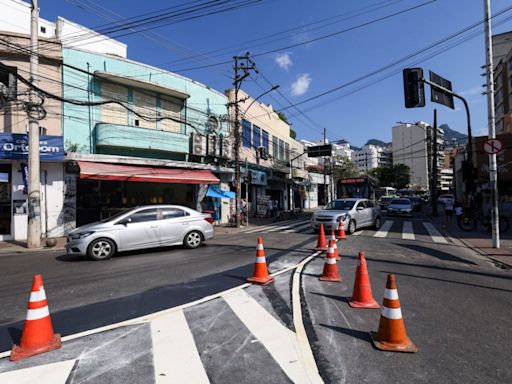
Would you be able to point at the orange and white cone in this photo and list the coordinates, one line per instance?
(332, 237)
(362, 296)
(341, 231)
(391, 335)
(37, 336)
(260, 275)
(321, 244)
(330, 272)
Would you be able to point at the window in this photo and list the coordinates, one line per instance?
(246, 134)
(114, 113)
(144, 104)
(256, 136)
(369, 204)
(170, 213)
(275, 148)
(287, 151)
(170, 108)
(264, 136)
(144, 215)
(43, 29)
(281, 149)
(8, 81)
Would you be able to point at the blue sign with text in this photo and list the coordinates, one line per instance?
(14, 146)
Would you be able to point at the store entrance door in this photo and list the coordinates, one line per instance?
(5, 199)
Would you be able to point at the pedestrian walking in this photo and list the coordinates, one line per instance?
(459, 211)
(275, 208)
(270, 208)
(448, 211)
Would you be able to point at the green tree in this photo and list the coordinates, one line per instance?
(344, 168)
(293, 134)
(397, 176)
(283, 117)
(402, 175)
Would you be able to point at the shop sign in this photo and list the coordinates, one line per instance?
(258, 178)
(14, 146)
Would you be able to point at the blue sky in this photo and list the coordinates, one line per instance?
(364, 110)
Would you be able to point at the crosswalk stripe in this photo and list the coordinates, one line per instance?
(434, 233)
(299, 228)
(273, 226)
(56, 373)
(407, 231)
(384, 229)
(285, 227)
(279, 341)
(357, 233)
(175, 355)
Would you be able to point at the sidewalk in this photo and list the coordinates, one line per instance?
(21, 246)
(479, 240)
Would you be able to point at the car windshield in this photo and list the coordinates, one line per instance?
(401, 202)
(114, 217)
(340, 205)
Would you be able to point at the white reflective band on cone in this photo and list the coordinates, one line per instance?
(331, 260)
(259, 247)
(260, 259)
(392, 313)
(391, 294)
(330, 250)
(36, 314)
(37, 296)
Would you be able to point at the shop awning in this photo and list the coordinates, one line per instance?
(214, 191)
(107, 171)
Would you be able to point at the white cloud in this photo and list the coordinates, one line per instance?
(283, 60)
(301, 85)
(477, 90)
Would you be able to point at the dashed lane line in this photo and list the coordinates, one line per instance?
(407, 231)
(384, 229)
(434, 233)
(175, 355)
(55, 373)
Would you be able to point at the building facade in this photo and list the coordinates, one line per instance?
(371, 156)
(503, 84)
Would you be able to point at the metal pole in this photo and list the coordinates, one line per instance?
(326, 191)
(247, 207)
(493, 174)
(34, 182)
(434, 166)
(238, 189)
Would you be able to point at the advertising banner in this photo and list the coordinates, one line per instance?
(14, 146)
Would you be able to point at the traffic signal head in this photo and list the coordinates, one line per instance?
(414, 90)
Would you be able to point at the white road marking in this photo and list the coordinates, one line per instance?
(407, 231)
(384, 229)
(357, 233)
(299, 228)
(280, 342)
(285, 227)
(56, 373)
(434, 233)
(175, 355)
(273, 226)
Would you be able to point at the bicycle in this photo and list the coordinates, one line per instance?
(468, 222)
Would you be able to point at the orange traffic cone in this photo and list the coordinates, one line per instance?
(341, 231)
(261, 275)
(330, 272)
(335, 246)
(362, 296)
(391, 335)
(321, 244)
(37, 336)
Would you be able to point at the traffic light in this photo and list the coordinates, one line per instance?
(414, 91)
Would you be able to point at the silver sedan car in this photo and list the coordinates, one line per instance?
(355, 213)
(141, 227)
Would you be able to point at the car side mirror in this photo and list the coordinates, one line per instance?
(124, 221)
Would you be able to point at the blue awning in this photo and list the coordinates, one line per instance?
(214, 191)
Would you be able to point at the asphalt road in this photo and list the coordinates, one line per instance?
(456, 305)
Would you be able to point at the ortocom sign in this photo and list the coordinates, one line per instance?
(15, 147)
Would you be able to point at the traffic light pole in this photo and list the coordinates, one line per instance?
(434, 166)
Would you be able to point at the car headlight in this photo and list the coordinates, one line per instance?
(341, 218)
(80, 235)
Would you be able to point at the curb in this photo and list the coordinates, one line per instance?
(26, 250)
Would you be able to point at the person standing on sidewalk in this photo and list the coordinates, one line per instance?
(448, 211)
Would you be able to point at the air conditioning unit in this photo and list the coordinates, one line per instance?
(227, 148)
(262, 153)
(213, 145)
(198, 144)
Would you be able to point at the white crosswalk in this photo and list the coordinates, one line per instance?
(301, 225)
(407, 231)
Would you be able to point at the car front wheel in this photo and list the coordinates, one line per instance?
(193, 239)
(351, 227)
(101, 249)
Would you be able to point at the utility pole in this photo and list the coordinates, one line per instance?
(34, 183)
(493, 174)
(245, 64)
(326, 190)
(434, 166)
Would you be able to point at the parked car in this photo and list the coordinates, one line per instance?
(355, 214)
(400, 206)
(141, 227)
(443, 198)
(417, 203)
(384, 202)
